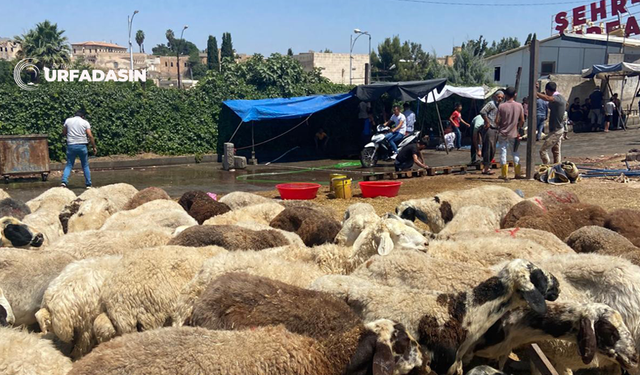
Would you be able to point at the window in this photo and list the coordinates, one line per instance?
(74, 50)
(185, 65)
(172, 64)
(165, 63)
(547, 67)
(496, 74)
(115, 65)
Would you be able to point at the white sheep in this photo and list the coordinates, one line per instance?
(472, 218)
(96, 243)
(436, 212)
(142, 291)
(53, 199)
(25, 275)
(357, 218)
(4, 194)
(6, 312)
(72, 302)
(92, 215)
(239, 199)
(261, 213)
(23, 353)
(388, 234)
(118, 194)
(547, 240)
(447, 325)
(47, 222)
(292, 237)
(330, 258)
(159, 213)
(257, 263)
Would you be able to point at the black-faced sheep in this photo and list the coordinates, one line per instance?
(595, 328)
(436, 212)
(314, 227)
(14, 208)
(25, 353)
(202, 209)
(626, 222)
(146, 195)
(14, 233)
(230, 237)
(447, 325)
(379, 348)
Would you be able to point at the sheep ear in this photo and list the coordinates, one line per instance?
(3, 317)
(408, 214)
(383, 362)
(536, 300)
(587, 344)
(386, 244)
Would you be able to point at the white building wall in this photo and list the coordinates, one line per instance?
(335, 66)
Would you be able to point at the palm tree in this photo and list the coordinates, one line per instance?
(140, 40)
(45, 45)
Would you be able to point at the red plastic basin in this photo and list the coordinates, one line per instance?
(298, 190)
(372, 189)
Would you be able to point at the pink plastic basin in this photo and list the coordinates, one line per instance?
(372, 189)
(298, 190)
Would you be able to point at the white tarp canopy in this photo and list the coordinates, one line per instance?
(465, 92)
(615, 71)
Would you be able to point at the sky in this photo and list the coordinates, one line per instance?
(270, 26)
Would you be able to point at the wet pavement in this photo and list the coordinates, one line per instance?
(210, 177)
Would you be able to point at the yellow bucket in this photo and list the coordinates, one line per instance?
(342, 187)
(332, 176)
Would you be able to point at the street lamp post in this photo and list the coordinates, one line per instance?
(130, 22)
(178, 54)
(352, 43)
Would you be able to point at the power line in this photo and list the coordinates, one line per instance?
(436, 2)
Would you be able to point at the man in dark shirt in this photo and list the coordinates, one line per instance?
(596, 116)
(557, 108)
(575, 111)
(409, 155)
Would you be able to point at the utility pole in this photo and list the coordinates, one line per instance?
(534, 49)
(130, 23)
(352, 43)
(178, 54)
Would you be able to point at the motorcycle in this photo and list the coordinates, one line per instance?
(380, 149)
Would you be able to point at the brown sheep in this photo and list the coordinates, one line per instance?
(518, 211)
(313, 226)
(239, 301)
(593, 239)
(187, 199)
(147, 195)
(562, 221)
(203, 209)
(230, 237)
(555, 197)
(626, 222)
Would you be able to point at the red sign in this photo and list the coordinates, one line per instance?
(608, 12)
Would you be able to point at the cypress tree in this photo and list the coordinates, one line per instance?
(213, 62)
(227, 46)
(290, 52)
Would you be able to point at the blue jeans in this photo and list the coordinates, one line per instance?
(456, 131)
(393, 138)
(73, 152)
(540, 124)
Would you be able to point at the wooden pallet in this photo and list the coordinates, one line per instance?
(394, 175)
(432, 171)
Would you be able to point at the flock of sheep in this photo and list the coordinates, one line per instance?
(121, 281)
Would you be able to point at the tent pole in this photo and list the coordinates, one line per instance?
(253, 144)
(620, 111)
(635, 94)
(440, 122)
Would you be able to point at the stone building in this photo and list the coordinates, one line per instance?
(9, 48)
(108, 55)
(335, 66)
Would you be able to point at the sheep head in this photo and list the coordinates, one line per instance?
(6, 313)
(533, 284)
(395, 232)
(387, 348)
(431, 211)
(14, 233)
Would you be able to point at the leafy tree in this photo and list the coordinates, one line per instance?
(289, 52)
(161, 50)
(327, 50)
(226, 50)
(469, 67)
(213, 61)
(140, 40)
(45, 45)
(6, 71)
(504, 45)
(477, 47)
(406, 61)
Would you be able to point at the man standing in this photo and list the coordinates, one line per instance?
(398, 132)
(411, 154)
(410, 116)
(489, 113)
(595, 115)
(78, 133)
(363, 115)
(609, 109)
(557, 109)
(616, 114)
(476, 138)
(542, 111)
(509, 120)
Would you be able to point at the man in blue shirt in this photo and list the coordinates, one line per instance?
(542, 110)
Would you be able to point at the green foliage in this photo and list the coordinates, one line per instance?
(226, 50)
(6, 71)
(45, 45)
(396, 61)
(131, 118)
(469, 68)
(161, 50)
(140, 40)
(213, 61)
(504, 45)
(289, 52)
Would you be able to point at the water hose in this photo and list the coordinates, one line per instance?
(340, 167)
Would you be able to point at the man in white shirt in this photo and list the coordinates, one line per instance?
(398, 131)
(609, 108)
(77, 130)
(410, 116)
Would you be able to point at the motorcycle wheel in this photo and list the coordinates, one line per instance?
(368, 157)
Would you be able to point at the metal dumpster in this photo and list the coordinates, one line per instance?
(24, 156)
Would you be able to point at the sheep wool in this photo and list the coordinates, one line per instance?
(330, 258)
(388, 234)
(593, 239)
(230, 237)
(4, 194)
(118, 194)
(72, 302)
(356, 219)
(53, 199)
(261, 213)
(6, 312)
(45, 221)
(187, 199)
(252, 262)
(13, 208)
(162, 213)
(205, 208)
(142, 291)
(240, 199)
(626, 222)
(472, 218)
(144, 196)
(23, 353)
(91, 214)
(547, 240)
(520, 210)
(24, 277)
(313, 226)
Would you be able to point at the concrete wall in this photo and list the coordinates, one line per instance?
(335, 66)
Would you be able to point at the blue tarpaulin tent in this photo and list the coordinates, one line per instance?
(622, 69)
(283, 108)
